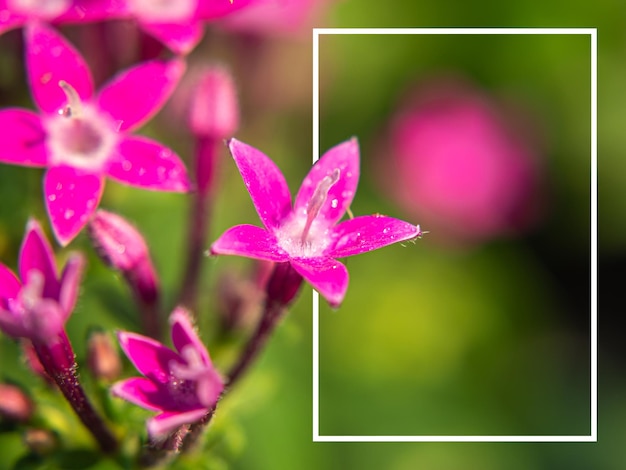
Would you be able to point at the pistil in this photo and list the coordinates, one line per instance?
(317, 201)
(74, 108)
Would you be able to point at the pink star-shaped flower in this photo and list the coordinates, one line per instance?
(184, 386)
(179, 23)
(81, 138)
(38, 306)
(16, 13)
(308, 235)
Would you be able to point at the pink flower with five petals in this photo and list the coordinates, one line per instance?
(184, 386)
(81, 138)
(308, 235)
(38, 306)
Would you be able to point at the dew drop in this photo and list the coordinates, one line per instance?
(68, 214)
(59, 187)
(142, 171)
(346, 194)
(334, 203)
(71, 187)
(385, 230)
(126, 165)
(52, 197)
(45, 78)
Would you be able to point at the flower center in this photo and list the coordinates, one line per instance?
(47, 9)
(306, 236)
(78, 135)
(164, 11)
(185, 378)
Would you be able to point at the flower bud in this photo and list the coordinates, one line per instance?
(121, 246)
(102, 357)
(40, 441)
(283, 285)
(213, 110)
(14, 404)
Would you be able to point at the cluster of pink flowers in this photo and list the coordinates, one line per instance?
(81, 136)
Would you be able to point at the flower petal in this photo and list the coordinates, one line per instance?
(36, 255)
(150, 357)
(184, 334)
(11, 325)
(165, 423)
(367, 233)
(328, 276)
(179, 38)
(70, 282)
(9, 283)
(265, 183)
(50, 59)
(135, 95)
(8, 19)
(97, 10)
(218, 8)
(142, 392)
(22, 140)
(71, 197)
(249, 241)
(147, 164)
(345, 158)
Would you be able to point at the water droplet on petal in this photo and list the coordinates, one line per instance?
(71, 187)
(59, 187)
(52, 197)
(386, 230)
(126, 165)
(68, 214)
(334, 203)
(142, 171)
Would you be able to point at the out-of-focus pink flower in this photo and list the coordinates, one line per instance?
(308, 236)
(179, 24)
(38, 306)
(15, 404)
(183, 386)
(272, 17)
(451, 160)
(15, 13)
(81, 138)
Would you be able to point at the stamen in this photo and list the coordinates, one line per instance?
(74, 108)
(318, 199)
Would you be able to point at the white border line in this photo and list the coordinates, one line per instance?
(593, 436)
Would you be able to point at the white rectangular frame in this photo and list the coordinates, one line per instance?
(592, 437)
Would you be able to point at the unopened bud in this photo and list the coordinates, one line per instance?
(102, 357)
(121, 246)
(283, 285)
(40, 441)
(213, 110)
(14, 404)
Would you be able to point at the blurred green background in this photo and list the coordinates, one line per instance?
(487, 339)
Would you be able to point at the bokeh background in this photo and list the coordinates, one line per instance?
(477, 328)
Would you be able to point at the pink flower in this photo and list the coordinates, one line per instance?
(38, 306)
(308, 235)
(452, 160)
(15, 13)
(184, 386)
(81, 138)
(179, 23)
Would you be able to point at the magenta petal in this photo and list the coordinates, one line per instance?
(179, 38)
(184, 334)
(9, 283)
(135, 95)
(148, 164)
(165, 423)
(212, 9)
(96, 10)
(9, 20)
(367, 233)
(249, 241)
(22, 139)
(49, 59)
(140, 391)
(36, 255)
(345, 158)
(70, 282)
(265, 183)
(71, 197)
(12, 325)
(150, 357)
(328, 276)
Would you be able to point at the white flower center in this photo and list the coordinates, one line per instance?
(46, 9)
(164, 11)
(304, 235)
(79, 135)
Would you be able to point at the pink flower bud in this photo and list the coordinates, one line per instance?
(213, 108)
(121, 246)
(14, 404)
(102, 357)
